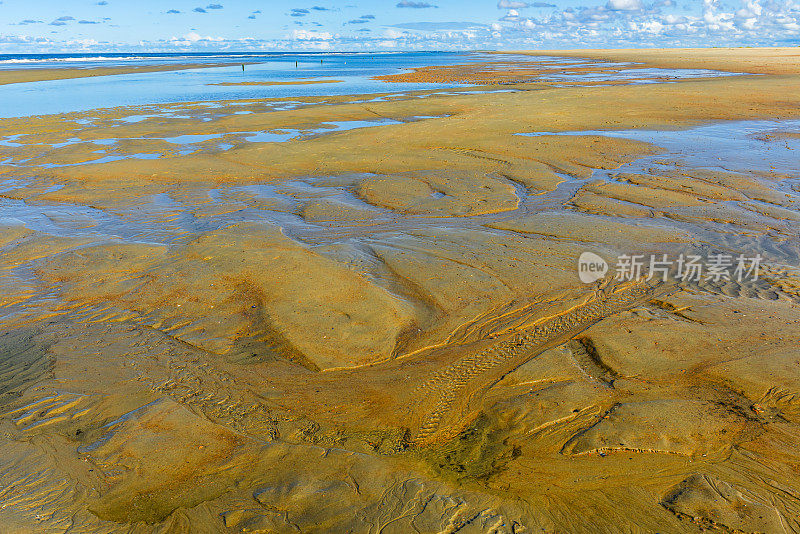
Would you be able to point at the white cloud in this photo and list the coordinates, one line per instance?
(652, 26)
(391, 33)
(311, 35)
(511, 4)
(624, 5)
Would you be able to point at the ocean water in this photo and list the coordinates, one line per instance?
(120, 59)
(80, 94)
(355, 70)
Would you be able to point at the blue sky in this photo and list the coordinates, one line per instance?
(183, 25)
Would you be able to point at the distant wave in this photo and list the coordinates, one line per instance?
(69, 59)
(33, 59)
(77, 59)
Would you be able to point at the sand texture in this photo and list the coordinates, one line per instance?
(366, 317)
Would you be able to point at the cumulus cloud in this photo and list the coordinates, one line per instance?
(199, 10)
(624, 5)
(214, 6)
(391, 33)
(715, 19)
(311, 35)
(194, 38)
(173, 12)
(299, 12)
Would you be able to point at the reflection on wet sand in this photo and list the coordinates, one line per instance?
(363, 313)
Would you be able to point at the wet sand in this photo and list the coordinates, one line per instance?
(363, 313)
(544, 71)
(774, 61)
(39, 75)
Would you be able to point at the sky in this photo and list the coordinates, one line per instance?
(42, 26)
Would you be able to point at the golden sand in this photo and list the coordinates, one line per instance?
(393, 337)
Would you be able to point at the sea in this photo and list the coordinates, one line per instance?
(355, 70)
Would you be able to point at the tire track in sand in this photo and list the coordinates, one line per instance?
(450, 391)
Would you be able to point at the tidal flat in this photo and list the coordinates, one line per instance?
(362, 312)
